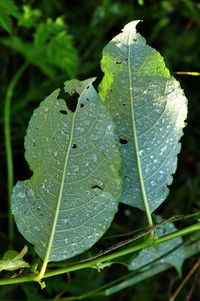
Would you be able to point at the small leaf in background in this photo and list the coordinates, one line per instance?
(71, 199)
(51, 50)
(29, 17)
(168, 252)
(149, 109)
(13, 260)
(7, 9)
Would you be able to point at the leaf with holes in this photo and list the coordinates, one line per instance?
(71, 198)
(149, 109)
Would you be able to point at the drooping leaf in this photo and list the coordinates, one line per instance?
(70, 200)
(171, 252)
(13, 260)
(51, 49)
(149, 109)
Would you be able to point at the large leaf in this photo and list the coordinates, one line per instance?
(149, 109)
(71, 199)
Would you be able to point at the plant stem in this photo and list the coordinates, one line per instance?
(8, 146)
(95, 263)
(188, 73)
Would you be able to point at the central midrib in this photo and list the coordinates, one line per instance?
(61, 188)
(135, 141)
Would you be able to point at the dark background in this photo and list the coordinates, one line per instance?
(173, 28)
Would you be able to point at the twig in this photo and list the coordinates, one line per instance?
(194, 268)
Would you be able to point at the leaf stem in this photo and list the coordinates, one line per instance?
(95, 263)
(187, 73)
(8, 146)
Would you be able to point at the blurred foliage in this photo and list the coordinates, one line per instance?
(62, 40)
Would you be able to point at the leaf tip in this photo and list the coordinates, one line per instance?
(131, 25)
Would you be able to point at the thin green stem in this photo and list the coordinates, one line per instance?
(187, 73)
(8, 146)
(96, 263)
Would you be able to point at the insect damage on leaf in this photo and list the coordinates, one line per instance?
(56, 209)
(71, 100)
(149, 109)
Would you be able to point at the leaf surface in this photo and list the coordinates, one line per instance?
(168, 252)
(149, 109)
(70, 200)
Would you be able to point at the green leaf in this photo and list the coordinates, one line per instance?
(70, 200)
(51, 50)
(170, 252)
(149, 109)
(13, 260)
(29, 18)
(7, 9)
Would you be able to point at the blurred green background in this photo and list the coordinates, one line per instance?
(56, 40)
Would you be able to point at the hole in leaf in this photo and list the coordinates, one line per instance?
(124, 104)
(82, 105)
(123, 141)
(63, 112)
(118, 62)
(96, 186)
(87, 99)
(74, 145)
(70, 100)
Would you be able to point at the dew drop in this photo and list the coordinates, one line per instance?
(75, 168)
(36, 228)
(30, 193)
(141, 152)
(109, 127)
(94, 158)
(21, 195)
